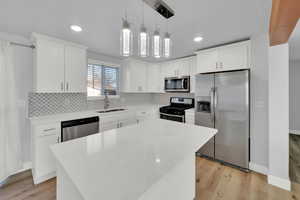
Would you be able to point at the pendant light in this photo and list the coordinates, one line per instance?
(156, 44)
(143, 39)
(126, 38)
(167, 45)
(167, 42)
(143, 42)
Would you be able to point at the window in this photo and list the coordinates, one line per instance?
(101, 79)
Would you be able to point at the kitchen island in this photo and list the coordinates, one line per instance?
(151, 160)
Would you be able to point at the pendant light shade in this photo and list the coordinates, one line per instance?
(156, 44)
(126, 39)
(143, 42)
(167, 45)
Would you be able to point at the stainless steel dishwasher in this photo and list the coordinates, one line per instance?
(79, 128)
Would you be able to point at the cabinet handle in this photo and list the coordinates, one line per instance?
(221, 64)
(58, 139)
(216, 65)
(61, 86)
(49, 129)
(67, 86)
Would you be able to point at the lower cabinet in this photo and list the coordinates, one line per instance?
(43, 162)
(105, 126)
(117, 121)
(190, 117)
(127, 122)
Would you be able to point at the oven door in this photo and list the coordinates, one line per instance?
(177, 84)
(177, 118)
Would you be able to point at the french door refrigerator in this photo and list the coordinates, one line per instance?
(222, 102)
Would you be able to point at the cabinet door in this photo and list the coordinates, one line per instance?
(125, 76)
(75, 69)
(127, 122)
(233, 57)
(183, 67)
(154, 83)
(105, 126)
(49, 66)
(44, 160)
(138, 80)
(207, 61)
(169, 69)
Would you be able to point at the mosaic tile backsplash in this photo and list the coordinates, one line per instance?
(41, 104)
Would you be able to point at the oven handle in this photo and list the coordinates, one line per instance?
(172, 115)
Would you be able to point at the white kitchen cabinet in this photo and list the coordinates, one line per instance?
(116, 120)
(168, 69)
(146, 114)
(235, 56)
(183, 67)
(75, 69)
(134, 76)
(155, 82)
(43, 163)
(225, 58)
(127, 122)
(190, 116)
(105, 126)
(176, 68)
(207, 61)
(59, 66)
(49, 66)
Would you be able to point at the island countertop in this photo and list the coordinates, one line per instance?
(124, 163)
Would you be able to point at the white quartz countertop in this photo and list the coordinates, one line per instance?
(125, 162)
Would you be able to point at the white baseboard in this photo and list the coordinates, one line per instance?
(26, 166)
(258, 168)
(279, 182)
(295, 132)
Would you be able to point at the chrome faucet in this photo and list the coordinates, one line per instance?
(106, 101)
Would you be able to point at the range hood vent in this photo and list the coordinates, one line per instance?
(161, 7)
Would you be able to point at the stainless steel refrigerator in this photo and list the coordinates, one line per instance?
(222, 102)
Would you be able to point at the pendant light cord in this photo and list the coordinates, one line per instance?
(143, 12)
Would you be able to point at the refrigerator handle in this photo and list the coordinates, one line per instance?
(215, 98)
(212, 106)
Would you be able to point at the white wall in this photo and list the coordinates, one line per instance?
(295, 96)
(279, 116)
(259, 102)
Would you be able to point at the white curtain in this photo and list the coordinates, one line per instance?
(10, 142)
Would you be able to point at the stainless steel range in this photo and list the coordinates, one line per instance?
(176, 110)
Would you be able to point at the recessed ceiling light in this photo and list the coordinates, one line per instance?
(198, 39)
(76, 28)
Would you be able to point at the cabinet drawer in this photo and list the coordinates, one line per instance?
(48, 129)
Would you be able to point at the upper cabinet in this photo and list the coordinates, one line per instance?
(155, 83)
(134, 74)
(225, 58)
(176, 68)
(59, 66)
(75, 69)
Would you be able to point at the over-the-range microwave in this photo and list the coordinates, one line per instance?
(177, 84)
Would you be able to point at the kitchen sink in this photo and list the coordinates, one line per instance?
(111, 110)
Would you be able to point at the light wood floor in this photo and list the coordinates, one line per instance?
(214, 182)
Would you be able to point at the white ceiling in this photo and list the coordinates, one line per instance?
(218, 21)
(294, 43)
